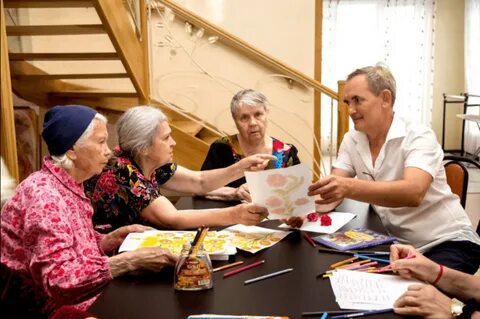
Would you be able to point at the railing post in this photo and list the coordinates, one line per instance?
(8, 138)
(342, 126)
(144, 12)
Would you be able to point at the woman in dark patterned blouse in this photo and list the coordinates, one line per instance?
(128, 189)
(249, 111)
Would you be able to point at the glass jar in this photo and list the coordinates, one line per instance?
(193, 272)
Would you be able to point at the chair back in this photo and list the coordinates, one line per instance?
(457, 179)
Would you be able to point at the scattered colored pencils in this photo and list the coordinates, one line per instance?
(227, 266)
(236, 271)
(309, 239)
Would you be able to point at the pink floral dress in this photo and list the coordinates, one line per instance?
(50, 254)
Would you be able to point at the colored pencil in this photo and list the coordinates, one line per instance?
(227, 266)
(362, 314)
(309, 239)
(385, 261)
(236, 271)
(330, 312)
(334, 251)
(273, 274)
(389, 266)
(352, 252)
(352, 265)
(367, 252)
(343, 262)
(367, 265)
(324, 316)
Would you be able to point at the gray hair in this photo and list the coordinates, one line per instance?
(137, 127)
(63, 160)
(248, 97)
(379, 78)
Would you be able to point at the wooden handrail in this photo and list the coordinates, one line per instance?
(259, 56)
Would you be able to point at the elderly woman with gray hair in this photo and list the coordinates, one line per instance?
(51, 256)
(250, 114)
(128, 189)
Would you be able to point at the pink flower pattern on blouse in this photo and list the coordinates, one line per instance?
(48, 241)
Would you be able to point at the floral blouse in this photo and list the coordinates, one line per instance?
(121, 191)
(50, 253)
(226, 151)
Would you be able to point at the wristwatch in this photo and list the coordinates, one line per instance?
(456, 308)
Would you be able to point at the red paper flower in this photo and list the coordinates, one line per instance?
(312, 217)
(325, 220)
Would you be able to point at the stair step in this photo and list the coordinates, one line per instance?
(27, 30)
(70, 76)
(92, 94)
(64, 56)
(209, 139)
(187, 126)
(47, 3)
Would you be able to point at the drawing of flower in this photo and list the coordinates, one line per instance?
(301, 201)
(276, 180)
(279, 211)
(274, 201)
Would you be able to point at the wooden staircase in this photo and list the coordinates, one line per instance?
(47, 88)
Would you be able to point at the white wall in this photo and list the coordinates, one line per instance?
(449, 69)
(281, 28)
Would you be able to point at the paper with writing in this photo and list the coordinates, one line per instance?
(367, 291)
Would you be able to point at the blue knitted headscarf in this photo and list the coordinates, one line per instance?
(64, 124)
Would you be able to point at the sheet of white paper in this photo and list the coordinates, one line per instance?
(339, 219)
(367, 291)
(282, 191)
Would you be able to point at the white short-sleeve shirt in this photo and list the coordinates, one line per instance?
(440, 217)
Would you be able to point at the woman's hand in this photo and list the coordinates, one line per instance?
(144, 259)
(256, 162)
(248, 214)
(114, 239)
(425, 301)
(153, 258)
(242, 193)
(419, 267)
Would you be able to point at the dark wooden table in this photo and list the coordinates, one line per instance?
(153, 296)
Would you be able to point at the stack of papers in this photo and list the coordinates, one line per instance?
(217, 244)
(367, 291)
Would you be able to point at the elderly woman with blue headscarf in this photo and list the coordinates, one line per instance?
(51, 256)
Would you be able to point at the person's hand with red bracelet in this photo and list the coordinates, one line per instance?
(419, 267)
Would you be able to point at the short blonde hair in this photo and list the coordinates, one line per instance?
(379, 78)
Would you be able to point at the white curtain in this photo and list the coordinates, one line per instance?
(472, 71)
(357, 33)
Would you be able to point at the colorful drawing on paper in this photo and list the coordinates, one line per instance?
(283, 191)
(215, 242)
(254, 238)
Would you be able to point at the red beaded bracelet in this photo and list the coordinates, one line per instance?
(440, 273)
